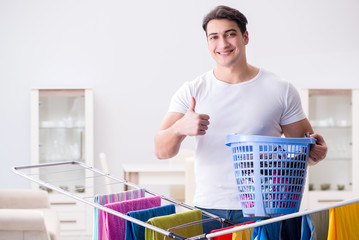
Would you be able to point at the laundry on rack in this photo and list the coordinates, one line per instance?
(174, 220)
(338, 223)
(344, 222)
(294, 228)
(115, 227)
(99, 227)
(307, 231)
(243, 235)
(291, 228)
(267, 232)
(137, 232)
(240, 235)
(320, 222)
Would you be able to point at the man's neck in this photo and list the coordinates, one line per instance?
(237, 74)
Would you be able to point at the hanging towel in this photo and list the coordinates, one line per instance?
(294, 228)
(173, 220)
(137, 232)
(267, 232)
(291, 228)
(344, 222)
(236, 235)
(115, 227)
(320, 222)
(245, 234)
(99, 227)
(225, 236)
(307, 228)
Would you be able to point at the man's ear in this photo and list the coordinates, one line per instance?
(245, 37)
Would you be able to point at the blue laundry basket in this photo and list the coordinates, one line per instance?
(270, 172)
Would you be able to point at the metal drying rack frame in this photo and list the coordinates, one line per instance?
(34, 177)
(31, 177)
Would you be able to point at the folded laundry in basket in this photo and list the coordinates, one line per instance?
(115, 226)
(99, 227)
(174, 220)
(137, 232)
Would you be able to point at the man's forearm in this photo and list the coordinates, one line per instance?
(167, 143)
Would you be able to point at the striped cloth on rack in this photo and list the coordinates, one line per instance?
(99, 227)
(116, 226)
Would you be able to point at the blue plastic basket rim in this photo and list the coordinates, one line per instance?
(240, 138)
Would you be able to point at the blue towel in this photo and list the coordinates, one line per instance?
(267, 232)
(294, 228)
(307, 228)
(137, 232)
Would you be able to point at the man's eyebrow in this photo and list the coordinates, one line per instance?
(229, 30)
(212, 34)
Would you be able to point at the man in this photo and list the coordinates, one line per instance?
(235, 97)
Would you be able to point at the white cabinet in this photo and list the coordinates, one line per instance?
(62, 130)
(334, 114)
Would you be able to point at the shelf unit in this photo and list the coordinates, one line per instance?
(62, 130)
(334, 114)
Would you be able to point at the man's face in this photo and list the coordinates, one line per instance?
(226, 42)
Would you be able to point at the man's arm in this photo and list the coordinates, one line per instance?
(298, 129)
(174, 129)
(168, 140)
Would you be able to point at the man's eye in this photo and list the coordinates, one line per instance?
(213, 37)
(231, 34)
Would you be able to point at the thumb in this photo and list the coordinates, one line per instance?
(193, 104)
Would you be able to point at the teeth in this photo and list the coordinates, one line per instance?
(227, 52)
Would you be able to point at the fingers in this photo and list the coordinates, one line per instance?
(194, 123)
(203, 127)
(202, 124)
(204, 120)
(193, 104)
(318, 151)
(319, 139)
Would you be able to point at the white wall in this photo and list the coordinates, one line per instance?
(135, 54)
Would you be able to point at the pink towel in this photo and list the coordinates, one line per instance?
(99, 227)
(115, 226)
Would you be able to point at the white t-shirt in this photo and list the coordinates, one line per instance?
(258, 106)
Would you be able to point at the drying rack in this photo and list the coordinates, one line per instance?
(31, 172)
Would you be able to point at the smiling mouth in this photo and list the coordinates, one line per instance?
(225, 53)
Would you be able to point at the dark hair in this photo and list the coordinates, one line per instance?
(224, 12)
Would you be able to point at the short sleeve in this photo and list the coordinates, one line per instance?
(181, 100)
(293, 111)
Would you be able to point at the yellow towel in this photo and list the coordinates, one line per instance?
(245, 234)
(344, 222)
(173, 220)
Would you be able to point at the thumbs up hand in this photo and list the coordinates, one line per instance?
(192, 123)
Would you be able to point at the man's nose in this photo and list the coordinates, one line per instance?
(223, 43)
